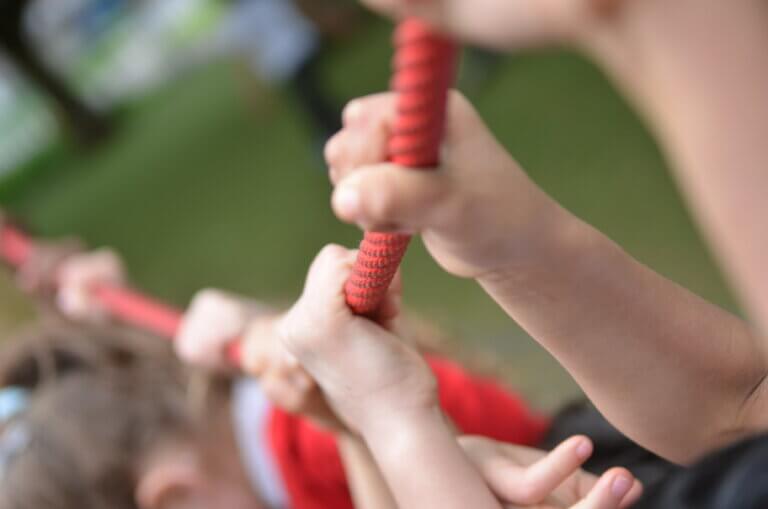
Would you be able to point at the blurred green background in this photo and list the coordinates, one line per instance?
(213, 181)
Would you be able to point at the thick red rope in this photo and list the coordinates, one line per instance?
(424, 67)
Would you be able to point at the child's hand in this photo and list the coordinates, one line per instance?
(213, 320)
(216, 318)
(368, 375)
(38, 274)
(478, 213)
(532, 478)
(77, 275)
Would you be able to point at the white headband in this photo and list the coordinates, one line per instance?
(14, 434)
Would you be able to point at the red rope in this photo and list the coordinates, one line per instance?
(424, 67)
(126, 305)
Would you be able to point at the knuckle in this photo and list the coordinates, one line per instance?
(333, 149)
(353, 111)
(206, 297)
(186, 349)
(528, 492)
(332, 253)
(382, 206)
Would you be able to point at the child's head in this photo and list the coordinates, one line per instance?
(109, 419)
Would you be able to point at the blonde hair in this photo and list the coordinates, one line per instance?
(100, 399)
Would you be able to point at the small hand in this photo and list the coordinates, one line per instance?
(530, 478)
(76, 278)
(216, 318)
(365, 371)
(460, 208)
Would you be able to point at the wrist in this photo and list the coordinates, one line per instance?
(396, 433)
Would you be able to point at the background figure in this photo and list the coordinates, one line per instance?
(282, 46)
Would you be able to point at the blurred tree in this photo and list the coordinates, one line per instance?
(87, 125)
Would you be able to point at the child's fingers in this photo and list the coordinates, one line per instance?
(314, 323)
(527, 485)
(633, 496)
(327, 274)
(77, 277)
(374, 108)
(283, 393)
(352, 148)
(542, 477)
(39, 272)
(294, 391)
(611, 491)
(364, 139)
(213, 320)
(259, 344)
(387, 197)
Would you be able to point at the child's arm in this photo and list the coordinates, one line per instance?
(368, 488)
(517, 475)
(657, 360)
(215, 318)
(383, 390)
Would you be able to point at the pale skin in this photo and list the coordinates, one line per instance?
(383, 391)
(517, 476)
(180, 474)
(669, 360)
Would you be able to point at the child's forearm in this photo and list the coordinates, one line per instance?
(700, 76)
(421, 459)
(667, 368)
(366, 484)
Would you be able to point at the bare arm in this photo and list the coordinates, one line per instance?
(700, 76)
(368, 488)
(418, 453)
(672, 371)
(651, 355)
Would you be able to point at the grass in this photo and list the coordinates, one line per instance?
(202, 188)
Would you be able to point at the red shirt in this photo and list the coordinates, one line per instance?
(309, 461)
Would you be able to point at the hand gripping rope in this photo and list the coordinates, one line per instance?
(424, 69)
(126, 305)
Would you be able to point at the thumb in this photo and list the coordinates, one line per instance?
(387, 197)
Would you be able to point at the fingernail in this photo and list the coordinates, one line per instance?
(353, 112)
(621, 486)
(346, 202)
(584, 449)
